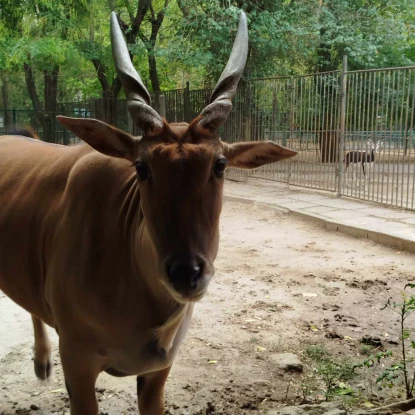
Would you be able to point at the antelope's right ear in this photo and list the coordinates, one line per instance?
(102, 137)
(255, 154)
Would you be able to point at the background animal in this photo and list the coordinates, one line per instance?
(363, 158)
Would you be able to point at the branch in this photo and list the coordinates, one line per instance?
(142, 9)
(129, 9)
(145, 40)
(116, 87)
(102, 77)
(153, 16)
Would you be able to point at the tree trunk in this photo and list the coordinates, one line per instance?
(328, 141)
(154, 78)
(7, 121)
(150, 44)
(31, 88)
(46, 113)
(110, 92)
(51, 94)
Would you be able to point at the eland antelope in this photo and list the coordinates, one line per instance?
(112, 241)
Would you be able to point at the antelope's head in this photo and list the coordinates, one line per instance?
(179, 167)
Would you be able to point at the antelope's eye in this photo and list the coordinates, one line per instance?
(143, 172)
(220, 166)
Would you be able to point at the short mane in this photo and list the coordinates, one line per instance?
(25, 132)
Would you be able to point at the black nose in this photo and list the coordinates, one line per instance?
(184, 274)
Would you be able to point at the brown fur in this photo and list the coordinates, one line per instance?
(84, 246)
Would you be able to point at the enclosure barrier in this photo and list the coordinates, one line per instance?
(353, 130)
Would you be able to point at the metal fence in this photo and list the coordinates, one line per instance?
(363, 148)
(329, 118)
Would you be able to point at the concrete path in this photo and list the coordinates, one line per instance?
(386, 225)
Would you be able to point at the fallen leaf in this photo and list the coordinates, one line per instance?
(314, 328)
(347, 338)
(260, 349)
(212, 362)
(368, 404)
(309, 295)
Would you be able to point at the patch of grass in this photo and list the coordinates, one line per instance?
(254, 340)
(335, 375)
(316, 352)
(332, 373)
(366, 349)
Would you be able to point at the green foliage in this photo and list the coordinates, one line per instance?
(376, 358)
(393, 373)
(334, 373)
(366, 349)
(316, 352)
(287, 37)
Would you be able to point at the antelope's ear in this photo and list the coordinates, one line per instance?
(102, 137)
(255, 154)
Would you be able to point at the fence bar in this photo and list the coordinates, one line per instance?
(342, 121)
(162, 105)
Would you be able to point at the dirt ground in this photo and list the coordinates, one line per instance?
(281, 285)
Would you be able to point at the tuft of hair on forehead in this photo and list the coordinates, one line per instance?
(183, 132)
(183, 150)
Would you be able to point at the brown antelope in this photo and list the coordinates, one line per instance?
(111, 242)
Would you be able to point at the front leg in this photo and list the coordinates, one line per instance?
(150, 392)
(81, 370)
(43, 356)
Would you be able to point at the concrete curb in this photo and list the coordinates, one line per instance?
(335, 226)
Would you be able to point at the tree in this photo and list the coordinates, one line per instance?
(142, 21)
(373, 33)
(41, 43)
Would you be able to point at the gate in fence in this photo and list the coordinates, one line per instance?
(353, 130)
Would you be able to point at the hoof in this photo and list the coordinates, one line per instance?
(42, 370)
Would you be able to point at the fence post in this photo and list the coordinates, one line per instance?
(162, 105)
(290, 125)
(186, 102)
(14, 118)
(6, 121)
(248, 110)
(342, 122)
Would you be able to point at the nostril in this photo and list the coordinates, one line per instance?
(197, 273)
(183, 274)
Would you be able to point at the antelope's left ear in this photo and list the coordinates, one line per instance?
(255, 154)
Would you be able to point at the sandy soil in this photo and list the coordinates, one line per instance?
(281, 284)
